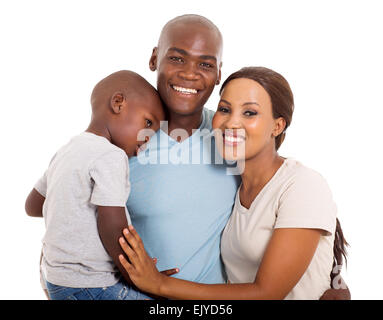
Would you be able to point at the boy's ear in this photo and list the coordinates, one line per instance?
(153, 60)
(117, 102)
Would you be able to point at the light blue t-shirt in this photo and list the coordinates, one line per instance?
(181, 198)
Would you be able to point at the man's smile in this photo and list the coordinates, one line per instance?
(188, 91)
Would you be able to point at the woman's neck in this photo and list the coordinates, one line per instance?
(260, 169)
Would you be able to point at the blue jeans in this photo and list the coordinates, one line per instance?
(119, 291)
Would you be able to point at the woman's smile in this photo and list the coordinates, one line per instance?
(233, 138)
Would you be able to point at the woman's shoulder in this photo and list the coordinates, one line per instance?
(298, 173)
(304, 184)
(306, 199)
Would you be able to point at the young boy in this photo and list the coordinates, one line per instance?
(83, 193)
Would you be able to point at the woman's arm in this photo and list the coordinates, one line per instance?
(34, 204)
(287, 257)
(110, 222)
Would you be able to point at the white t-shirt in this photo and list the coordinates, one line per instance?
(87, 172)
(295, 197)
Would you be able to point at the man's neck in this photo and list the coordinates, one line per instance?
(185, 122)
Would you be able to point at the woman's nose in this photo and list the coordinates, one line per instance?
(233, 123)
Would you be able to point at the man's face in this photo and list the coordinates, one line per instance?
(188, 62)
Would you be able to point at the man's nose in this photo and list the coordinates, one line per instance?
(189, 72)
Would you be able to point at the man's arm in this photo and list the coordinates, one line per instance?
(34, 204)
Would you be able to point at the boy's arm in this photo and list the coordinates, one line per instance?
(110, 223)
(34, 204)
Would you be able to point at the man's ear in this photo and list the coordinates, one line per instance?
(117, 102)
(153, 60)
(219, 75)
(280, 125)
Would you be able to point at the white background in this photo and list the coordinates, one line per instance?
(53, 53)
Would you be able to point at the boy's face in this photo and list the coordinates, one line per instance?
(137, 113)
(188, 61)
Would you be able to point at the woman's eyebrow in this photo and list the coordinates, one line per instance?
(227, 102)
(249, 103)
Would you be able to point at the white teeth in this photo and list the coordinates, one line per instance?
(234, 139)
(185, 90)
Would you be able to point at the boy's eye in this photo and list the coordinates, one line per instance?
(148, 123)
(223, 109)
(250, 113)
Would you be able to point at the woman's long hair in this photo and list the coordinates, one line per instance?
(282, 102)
(340, 251)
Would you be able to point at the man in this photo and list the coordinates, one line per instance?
(180, 208)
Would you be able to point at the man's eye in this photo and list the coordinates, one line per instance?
(223, 109)
(250, 113)
(176, 59)
(148, 123)
(206, 65)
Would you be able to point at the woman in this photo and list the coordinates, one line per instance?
(280, 240)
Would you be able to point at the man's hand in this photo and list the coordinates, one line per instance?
(336, 294)
(338, 291)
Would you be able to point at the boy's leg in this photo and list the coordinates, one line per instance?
(42, 281)
(65, 293)
(120, 291)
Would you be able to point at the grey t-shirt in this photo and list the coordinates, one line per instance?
(87, 172)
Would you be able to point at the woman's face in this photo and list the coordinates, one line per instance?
(245, 121)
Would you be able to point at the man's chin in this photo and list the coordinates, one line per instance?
(185, 111)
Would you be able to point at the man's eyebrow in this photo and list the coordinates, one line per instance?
(205, 57)
(185, 53)
(181, 51)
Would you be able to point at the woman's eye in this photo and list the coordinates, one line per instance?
(223, 109)
(250, 113)
(148, 123)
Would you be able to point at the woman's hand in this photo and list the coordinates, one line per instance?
(141, 268)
